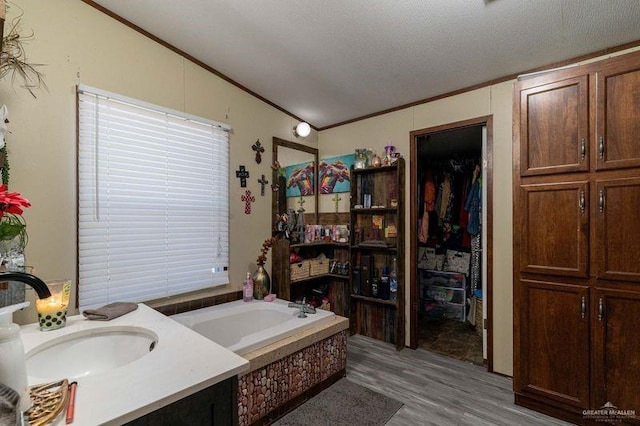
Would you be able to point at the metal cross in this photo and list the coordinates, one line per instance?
(301, 202)
(262, 183)
(259, 150)
(248, 199)
(336, 199)
(242, 174)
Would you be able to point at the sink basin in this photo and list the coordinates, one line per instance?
(89, 352)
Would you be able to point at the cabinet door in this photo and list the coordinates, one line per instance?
(553, 338)
(616, 348)
(554, 126)
(618, 114)
(618, 229)
(554, 220)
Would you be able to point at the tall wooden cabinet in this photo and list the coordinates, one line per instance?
(577, 239)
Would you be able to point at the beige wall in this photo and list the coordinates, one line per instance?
(495, 100)
(395, 127)
(78, 44)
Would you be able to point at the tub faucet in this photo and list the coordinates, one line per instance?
(304, 308)
(38, 285)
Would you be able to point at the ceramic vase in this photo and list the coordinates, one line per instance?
(261, 283)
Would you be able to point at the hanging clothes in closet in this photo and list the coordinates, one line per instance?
(451, 208)
(474, 207)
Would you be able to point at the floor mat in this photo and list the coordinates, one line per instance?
(344, 403)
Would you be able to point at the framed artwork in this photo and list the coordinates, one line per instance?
(335, 174)
(300, 179)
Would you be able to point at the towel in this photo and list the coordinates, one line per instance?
(110, 311)
(9, 406)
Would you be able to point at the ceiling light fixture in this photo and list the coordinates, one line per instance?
(302, 130)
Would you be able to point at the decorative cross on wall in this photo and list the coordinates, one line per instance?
(248, 199)
(257, 147)
(262, 183)
(336, 199)
(242, 174)
(301, 202)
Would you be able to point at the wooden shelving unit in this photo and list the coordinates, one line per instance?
(337, 285)
(376, 238)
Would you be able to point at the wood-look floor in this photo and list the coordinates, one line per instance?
(436, 390)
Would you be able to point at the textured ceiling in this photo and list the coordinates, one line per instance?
(331, 61)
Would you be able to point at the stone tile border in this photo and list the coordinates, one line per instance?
(264, 390)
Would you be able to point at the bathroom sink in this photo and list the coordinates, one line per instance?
(89, 352)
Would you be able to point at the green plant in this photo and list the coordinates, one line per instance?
(13, 59)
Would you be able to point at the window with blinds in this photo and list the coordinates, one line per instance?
(153, 199)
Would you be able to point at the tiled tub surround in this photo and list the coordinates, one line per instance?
(191, 305)
(290, 358)
(286, 373)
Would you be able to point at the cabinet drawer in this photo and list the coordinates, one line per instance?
(442, 279)
(443, 310)
(443, 294)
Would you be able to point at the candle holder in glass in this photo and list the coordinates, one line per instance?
(52, 311)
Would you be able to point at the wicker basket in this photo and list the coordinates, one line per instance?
(300, 270)
(319, 267)
(479, 316)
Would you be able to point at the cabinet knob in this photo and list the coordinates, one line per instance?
(601, 147)
(600, 309)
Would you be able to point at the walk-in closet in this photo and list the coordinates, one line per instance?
(449, 233)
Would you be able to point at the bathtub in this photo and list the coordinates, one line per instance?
(243, 327)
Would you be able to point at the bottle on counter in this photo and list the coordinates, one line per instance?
(13, 367)
(393, 281)
(247, 288)
(375, 284)
(385, 287)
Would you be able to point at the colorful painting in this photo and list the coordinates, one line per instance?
(300, 179)
(335, 174)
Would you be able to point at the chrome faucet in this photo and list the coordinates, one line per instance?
(38, 285)
(304, 308)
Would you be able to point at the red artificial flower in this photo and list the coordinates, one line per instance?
(11, 202)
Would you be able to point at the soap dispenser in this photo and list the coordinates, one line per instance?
(13, 367)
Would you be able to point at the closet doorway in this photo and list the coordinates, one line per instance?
(451, 240)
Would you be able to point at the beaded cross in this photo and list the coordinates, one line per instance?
(248, 199)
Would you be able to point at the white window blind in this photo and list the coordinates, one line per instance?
(153, 197)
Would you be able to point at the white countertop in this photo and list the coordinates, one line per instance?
(182, 363)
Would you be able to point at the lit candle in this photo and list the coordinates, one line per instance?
(51, 305)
